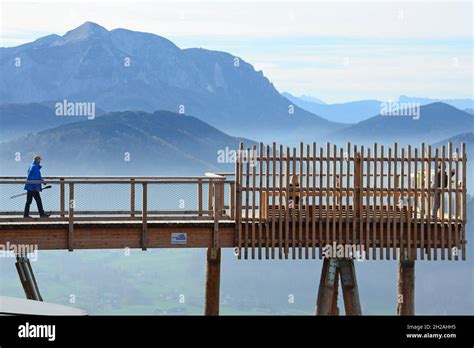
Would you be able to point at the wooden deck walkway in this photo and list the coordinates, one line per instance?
(279, 203)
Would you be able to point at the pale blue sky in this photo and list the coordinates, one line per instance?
(333, 50)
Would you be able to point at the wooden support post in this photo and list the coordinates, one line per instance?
(210, 194)
(213, 273)
(213, 280)
(334, 307)
(132, 197)
(72, 204)
(232, 201)
(144, 216)
(464, 200)
(406, 288)
(199, 196)
(328, 288)
(357, 233)
(221, 200)
(62, 198)
(217, 210)
(350, 291)
(27, 278)
(238, 201)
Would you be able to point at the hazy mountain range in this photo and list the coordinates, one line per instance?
(457, 140)
(457, 103)
(127, 70)
(435, 122)
(126, 142)
(350, 112)
(170, 142)
(359, 110)
(21, 119)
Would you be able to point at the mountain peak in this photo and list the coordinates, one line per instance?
(83, 32)
(89, 27)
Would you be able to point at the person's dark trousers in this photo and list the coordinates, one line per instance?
(29, 198)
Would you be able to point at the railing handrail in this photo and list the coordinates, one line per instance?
(100, 177)
(95, 180)
(214, 176)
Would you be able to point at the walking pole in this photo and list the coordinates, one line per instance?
(22, 194)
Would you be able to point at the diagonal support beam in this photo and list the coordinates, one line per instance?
(329, 287)
(27, 278)
(350, 291)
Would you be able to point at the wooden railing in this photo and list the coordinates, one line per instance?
(377, 198)
(140, 190)
(137, 189)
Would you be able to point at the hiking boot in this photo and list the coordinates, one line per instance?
(27, 216)
(44, 215)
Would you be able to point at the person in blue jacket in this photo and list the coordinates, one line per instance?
(33, 190)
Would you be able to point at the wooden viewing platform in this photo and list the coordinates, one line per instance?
(279, 203)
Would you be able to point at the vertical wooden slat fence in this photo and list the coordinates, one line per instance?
(378, 202)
